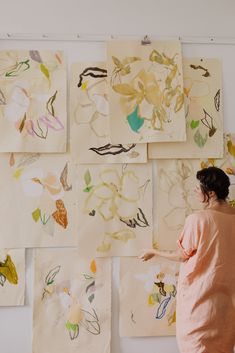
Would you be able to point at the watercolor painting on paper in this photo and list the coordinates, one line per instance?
(72, 301)
(33, 101)
(12, 277)
(146, 92)
(147, 297)
(174, 199)
(90, 141)
(114, 209)
(38, 201)
(204, 113)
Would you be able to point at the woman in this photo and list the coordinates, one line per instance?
(206, 286)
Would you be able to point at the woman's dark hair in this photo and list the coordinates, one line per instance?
(214, 179)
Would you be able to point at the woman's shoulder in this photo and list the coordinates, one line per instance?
(207, 213)
(199, 216)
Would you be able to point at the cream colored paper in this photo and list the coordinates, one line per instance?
(72, 303)
(146, 92)
(89, 110)
(12, 277)
(204, 116)
(37, 205)
(174, 199)
(115, 209)
(33, 115)
(147, 297)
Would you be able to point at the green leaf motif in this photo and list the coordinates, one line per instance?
(87, 177)
(88, 188)
(194, 124)
(72, 327)
(19, 68)
(36, 214)
(199, 139)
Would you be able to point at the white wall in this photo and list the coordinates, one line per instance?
(163, 17)
(133, 17)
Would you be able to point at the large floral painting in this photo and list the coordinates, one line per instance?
(146, 92)
(72, 302)
(115, 209)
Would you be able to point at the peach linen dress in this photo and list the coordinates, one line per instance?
(206, 288)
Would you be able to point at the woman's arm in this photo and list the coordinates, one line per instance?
(175, 255)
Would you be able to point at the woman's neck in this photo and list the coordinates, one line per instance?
(215, 204)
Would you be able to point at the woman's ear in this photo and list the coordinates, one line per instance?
(212, 194)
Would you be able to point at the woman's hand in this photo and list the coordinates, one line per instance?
(147, 254)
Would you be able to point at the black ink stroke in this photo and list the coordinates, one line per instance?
(138, 221)
(112, 149)
(95, 72)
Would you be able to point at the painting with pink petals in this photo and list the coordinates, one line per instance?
(32, 101)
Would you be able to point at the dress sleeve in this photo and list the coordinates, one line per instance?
(189, 238)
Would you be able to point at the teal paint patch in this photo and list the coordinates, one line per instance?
(134, 120)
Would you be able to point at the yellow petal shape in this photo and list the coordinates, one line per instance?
(17, 173)
(8, 269)
(122, 235)
(150, 300)
(179, 103)
(104, 247)
(231, 148)
(125, 89)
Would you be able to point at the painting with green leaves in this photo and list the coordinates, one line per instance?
(72, 302)
(204, 113)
